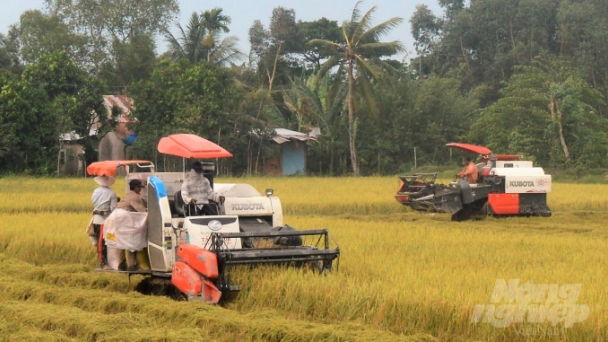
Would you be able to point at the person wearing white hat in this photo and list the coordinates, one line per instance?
(105, 201)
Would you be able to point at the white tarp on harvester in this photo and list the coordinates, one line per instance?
(126, 230)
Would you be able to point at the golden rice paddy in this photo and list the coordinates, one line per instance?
(402, 275)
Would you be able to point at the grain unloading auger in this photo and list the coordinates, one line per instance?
(506, 186)
(197, 254)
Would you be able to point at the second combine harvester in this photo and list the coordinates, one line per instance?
(506, 186)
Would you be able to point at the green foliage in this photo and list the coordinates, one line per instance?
(319, 29)
(321, 107)
(181, 97)
(415, 114)
(51, 97)
(359, 61)
(547, 112)
(111, 40)
(201, 39)
(521, 76)
(39, 33)
(6, 60)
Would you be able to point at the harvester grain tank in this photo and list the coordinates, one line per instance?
(506, 186)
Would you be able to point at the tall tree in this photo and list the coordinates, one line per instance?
(269, 46)
(109, 26)
(183, 97)
(214, 23)
(189, 44)
(5, 59)
(52, 96)
(360, 59)
(425, 30)
(201, 39)
(581, 31)
(39, 33)
(319, 29)
(547, 112)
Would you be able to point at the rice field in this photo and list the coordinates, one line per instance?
(403, 275)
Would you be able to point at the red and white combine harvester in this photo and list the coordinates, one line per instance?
(506, 186)
(196, 254)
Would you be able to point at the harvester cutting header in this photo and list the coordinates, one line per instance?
(503, 185)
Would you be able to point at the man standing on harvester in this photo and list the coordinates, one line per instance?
(197, 191)
(104, 201)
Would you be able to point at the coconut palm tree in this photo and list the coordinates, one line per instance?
(189, 45)
(200, 40)
(214, 22)
(358, 56)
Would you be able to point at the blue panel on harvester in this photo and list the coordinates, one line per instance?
(159, 186)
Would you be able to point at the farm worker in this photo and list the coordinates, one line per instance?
(196, 190)
(131, 202)
(469, 173)
(104, 201)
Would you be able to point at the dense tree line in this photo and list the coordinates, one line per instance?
(521, 76)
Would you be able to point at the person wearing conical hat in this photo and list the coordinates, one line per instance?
(104, 201)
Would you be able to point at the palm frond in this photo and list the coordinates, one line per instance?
(368, 97)
(356, 12)
(336, 83)
(190, 41)
(374, 34)
(379, 49)
(325, 67)
(346, 28)
(362, 26)
(214, 20)
(337, 95)
(368, 67)
(226, 51)
(175, 47)
(323, 43)
(311, 97)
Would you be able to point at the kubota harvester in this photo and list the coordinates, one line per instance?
(196, 254)
(506, 186)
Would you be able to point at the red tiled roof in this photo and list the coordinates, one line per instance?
(121, 101)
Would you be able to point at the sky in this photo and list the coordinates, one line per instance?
(244, 12)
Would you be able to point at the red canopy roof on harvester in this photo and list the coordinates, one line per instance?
(502, 157)
(470, 148)
(109, 167)
(191, 146)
